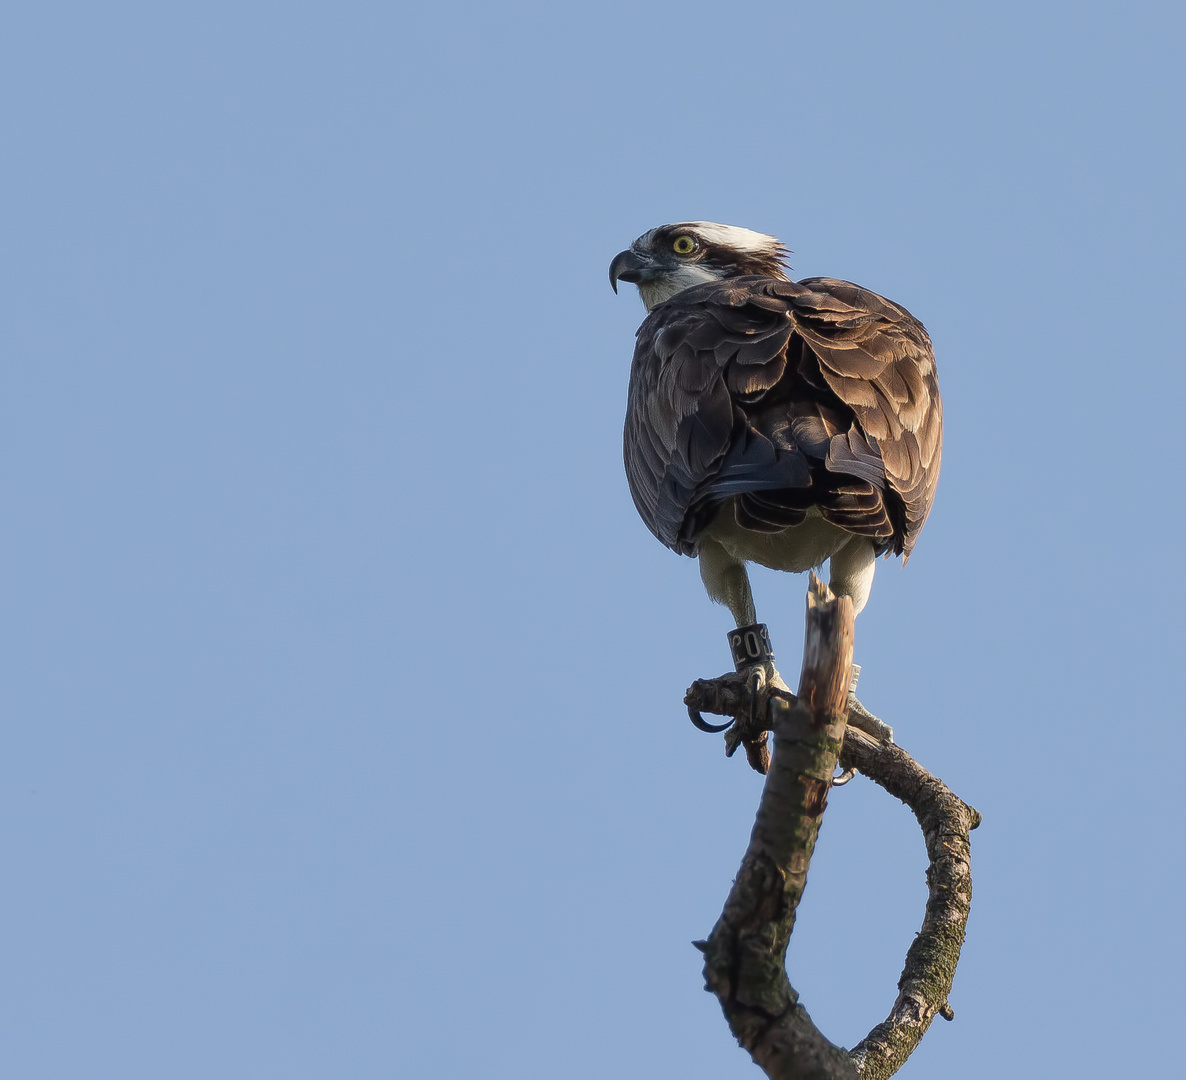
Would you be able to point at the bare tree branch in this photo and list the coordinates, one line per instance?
(745, 955)
(926, 978)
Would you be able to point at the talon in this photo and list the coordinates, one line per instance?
(701, 724)
(754, 683)
(843, 778)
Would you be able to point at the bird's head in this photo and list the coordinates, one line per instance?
(671, 258)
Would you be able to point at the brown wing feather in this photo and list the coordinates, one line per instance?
(877, 358)
(789, 396)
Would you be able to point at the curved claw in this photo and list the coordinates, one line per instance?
(701, 724)
(754, 684)
(843, 778)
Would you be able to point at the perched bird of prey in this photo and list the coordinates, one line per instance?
(772, 421)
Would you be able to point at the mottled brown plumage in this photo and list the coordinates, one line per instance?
(779, 397)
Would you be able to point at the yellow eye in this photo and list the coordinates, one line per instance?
(684, 245)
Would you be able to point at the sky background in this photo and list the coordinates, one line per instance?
(342, 725)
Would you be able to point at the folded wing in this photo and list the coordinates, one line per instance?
(783, 396)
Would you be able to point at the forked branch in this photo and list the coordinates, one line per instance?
(745, 955)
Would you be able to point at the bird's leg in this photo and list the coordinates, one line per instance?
(850, 573)
(727, 582)
(862, 718)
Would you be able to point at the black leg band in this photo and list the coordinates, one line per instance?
(750, 645)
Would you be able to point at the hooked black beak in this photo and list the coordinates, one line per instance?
(627, 267)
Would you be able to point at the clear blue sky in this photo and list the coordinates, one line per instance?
(342, 725)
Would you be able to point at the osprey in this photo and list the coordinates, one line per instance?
(772, 421)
